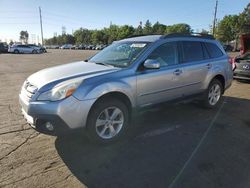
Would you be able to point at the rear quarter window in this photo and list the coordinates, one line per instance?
(213, 50)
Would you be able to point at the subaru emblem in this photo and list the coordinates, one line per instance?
(247, 67)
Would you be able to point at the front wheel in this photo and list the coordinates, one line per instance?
(213, 94)
(108, 121)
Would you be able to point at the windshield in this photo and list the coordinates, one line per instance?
(119, 54)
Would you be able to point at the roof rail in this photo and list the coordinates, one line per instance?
(198, 35)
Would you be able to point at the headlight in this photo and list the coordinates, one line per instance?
(60, 91)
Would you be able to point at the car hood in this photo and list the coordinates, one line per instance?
(64, 72)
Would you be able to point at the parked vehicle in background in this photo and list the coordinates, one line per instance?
(228, 48)
(82, 47)
(90, 47)
(241, 63)
(55, 47)
(66, 46)
(242, 67)
(40, 49)
(102, 94)
(74, 47)
(99, 47)
(22, 49)
(3, 48)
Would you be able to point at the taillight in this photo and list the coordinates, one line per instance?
(231, 60)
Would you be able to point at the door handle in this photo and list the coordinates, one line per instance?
(177, 72)
(209, 65)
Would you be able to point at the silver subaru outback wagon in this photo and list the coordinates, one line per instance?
(102, 93)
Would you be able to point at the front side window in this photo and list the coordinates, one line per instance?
(165, 54)
(192, 51)
(120, 54)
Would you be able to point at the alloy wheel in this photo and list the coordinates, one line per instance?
(214, 94)
(109, 122)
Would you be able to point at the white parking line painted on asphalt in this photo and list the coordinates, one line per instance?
(159, 131)
(176, 178)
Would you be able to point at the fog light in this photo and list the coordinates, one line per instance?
(49, 126)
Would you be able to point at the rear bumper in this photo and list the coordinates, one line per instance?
(245, 75)
(242, 77)
(64, 115)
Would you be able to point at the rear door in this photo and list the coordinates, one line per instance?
(195, 64)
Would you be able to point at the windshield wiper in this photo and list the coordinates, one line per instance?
(105, 64)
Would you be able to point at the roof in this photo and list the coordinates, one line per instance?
(147, 38)
(153, 38)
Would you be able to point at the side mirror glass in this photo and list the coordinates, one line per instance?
(151, 64)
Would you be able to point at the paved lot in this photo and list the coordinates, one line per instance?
(181, 145)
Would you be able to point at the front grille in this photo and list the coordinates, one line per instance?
(28, 90)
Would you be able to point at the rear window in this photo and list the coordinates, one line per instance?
(213, 50)
(192, 51)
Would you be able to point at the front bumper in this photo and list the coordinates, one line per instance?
(64, 115)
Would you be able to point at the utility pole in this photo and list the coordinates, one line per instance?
(41, 24)
(215, 13)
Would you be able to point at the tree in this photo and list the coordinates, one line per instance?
(244, 20)
(159, 28)
(139, 30)
(82, 36)
(205, 32)
(24, 36)
(115, 32)
(11, 43)
(147, 29)
(97, 37)
(112, 32)
(179, 28)
(125, 32)
(228, 28)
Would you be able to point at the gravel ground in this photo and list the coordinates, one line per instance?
(178, 145)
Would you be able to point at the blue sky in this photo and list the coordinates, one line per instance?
(17, 15)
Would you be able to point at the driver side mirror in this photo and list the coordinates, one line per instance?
(151, 64)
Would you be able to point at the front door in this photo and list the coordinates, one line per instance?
(163, 84)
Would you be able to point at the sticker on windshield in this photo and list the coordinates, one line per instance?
(137, 45)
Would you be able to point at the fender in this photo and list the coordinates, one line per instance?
(217, 69)
(94, 91)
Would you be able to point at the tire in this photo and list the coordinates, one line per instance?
(16, 51)
(102, 128)
(34, 52)
(213, 95)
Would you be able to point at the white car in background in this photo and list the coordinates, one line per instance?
(40, 49)
(20, 48)
(66, 46)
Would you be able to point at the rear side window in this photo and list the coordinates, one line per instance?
(192, 51)
(213, 50)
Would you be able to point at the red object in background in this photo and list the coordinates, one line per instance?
(244, 43)
(231, 60)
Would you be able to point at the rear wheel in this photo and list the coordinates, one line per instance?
(213, 95)
(16, 51)
(34, 52)
(108, 121)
